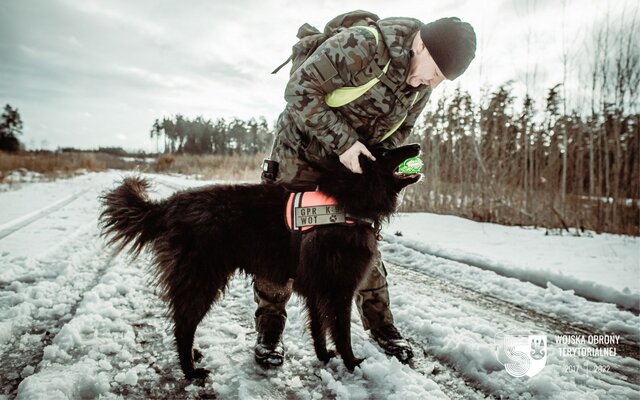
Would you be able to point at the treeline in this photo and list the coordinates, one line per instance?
(114, 151)
(490, 163)
(204, 136)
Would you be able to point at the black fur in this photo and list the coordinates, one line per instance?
(200, 237)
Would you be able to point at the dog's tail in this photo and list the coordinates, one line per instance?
(129, 217)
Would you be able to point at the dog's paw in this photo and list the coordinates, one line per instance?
(352, 364)
(198, 373)
(197, 355)
(327, 355)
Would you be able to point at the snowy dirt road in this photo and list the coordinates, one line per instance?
(77, 321)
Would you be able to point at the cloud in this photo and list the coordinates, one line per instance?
(125, 63)
(121, 17)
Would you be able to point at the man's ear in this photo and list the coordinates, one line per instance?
(362, 157)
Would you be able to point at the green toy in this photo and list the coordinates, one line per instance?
(410, 166)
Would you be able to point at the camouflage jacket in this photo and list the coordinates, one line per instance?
(308, 129)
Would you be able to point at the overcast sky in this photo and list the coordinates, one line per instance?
(87, 73)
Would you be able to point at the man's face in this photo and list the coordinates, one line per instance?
(423, 69)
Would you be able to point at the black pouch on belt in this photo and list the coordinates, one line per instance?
(269, 171)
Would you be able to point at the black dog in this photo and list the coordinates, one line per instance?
(200, 237)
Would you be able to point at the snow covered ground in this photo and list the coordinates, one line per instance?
(77, 321)
(601, 267)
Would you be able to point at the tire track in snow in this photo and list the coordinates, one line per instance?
(453, 383)
(16, 224)
(626, 347)
(516, 312)
(620, 300)
(19, 354)
(41, 304)
(622, 372)
(52, 299)
(32, 242)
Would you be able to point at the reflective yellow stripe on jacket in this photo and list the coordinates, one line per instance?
(345, 95)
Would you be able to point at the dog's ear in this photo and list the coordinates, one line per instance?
(378, 151)
(364, 160)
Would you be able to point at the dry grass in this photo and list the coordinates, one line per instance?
(49, 164)
(60, 165)
(245, 168)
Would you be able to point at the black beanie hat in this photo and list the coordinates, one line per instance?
(451, 43)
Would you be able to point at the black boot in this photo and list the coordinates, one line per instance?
(392, 342)
(269, 350)
(271, 316)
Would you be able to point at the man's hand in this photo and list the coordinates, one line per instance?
(350, 157)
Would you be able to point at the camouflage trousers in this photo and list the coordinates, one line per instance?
(372, 301)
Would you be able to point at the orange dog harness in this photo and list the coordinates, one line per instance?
(305, 210)
(308, 209)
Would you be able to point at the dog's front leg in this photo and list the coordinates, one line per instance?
(339, 316)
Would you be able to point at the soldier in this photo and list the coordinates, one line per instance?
(416, 58)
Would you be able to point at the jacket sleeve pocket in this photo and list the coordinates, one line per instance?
(323, 69)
